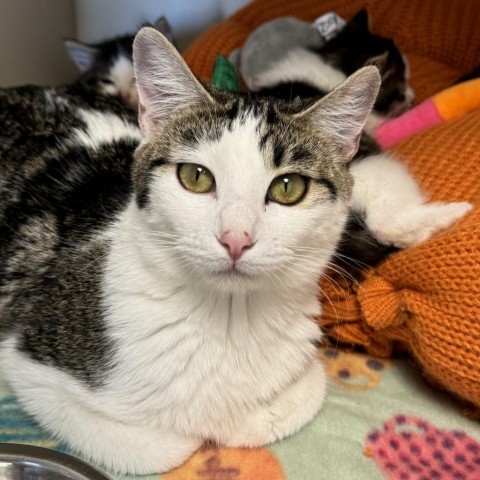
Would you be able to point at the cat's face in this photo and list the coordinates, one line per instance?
(356, 46)
(241, 190)
(107, 67)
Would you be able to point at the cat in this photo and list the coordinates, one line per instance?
(309, 73)
(156, 300)
(107, 66)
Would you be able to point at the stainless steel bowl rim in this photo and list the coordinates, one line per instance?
(16, 452)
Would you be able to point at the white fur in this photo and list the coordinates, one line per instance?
(299, 65)
(103, 128)
(122, 76)
(395, 209)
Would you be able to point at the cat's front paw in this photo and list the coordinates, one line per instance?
(417, 223)
(292, 409)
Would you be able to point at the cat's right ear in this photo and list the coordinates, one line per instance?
(83, 55)
(341, 115)
(165, 83)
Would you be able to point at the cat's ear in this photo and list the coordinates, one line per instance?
(341, 115)
(380, 61)
(83, 55)
(164, 27)
(164, 81)
(361, 21)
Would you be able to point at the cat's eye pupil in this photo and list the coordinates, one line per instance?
(287, 189)
(106, 81)
(195, 178)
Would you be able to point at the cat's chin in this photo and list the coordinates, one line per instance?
(233, 279)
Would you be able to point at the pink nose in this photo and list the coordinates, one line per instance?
(236, 244)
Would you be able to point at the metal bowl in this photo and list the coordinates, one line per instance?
(26, 462)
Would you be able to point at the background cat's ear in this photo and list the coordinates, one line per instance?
(360, 20)
(164, 27)
(83, 55)
(164, 81)
(379, 61)
(340, 116)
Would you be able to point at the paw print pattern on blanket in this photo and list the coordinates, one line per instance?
(410, 448)
(353, 371)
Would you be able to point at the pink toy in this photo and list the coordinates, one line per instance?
(442, 107)
(412, 449)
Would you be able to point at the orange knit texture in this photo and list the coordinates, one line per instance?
(425, 298)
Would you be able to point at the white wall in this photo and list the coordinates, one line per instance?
(32, 31)
(31, 47)
(98, 19)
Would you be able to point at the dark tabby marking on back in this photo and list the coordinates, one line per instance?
(55, 196)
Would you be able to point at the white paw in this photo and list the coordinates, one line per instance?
(146, 452)
(416, 224)
(286, 414)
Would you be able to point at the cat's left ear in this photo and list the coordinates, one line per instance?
(341, 115)
(83, 55)
(360, 20)
(165, 83)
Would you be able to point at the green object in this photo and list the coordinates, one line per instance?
(224, 75)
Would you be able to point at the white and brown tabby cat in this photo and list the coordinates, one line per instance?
(150, 304)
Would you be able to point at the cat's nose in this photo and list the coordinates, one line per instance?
(236, 243)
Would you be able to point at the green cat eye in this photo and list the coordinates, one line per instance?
(287, 189)
(195, 178)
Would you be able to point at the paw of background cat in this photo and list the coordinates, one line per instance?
(417, 223)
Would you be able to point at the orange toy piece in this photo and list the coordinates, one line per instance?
(426, 298)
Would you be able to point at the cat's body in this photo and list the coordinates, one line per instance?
(140, 318)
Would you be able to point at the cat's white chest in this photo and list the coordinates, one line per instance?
(198, 362)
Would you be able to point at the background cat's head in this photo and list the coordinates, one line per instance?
(240, 189)
(356, 46)
(108, 66)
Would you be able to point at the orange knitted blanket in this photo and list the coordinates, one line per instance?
(426, 298)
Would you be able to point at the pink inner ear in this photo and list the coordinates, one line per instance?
(141, 115)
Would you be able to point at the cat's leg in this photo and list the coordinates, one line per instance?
(293, 408)
(68, 410)
(393, 206)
